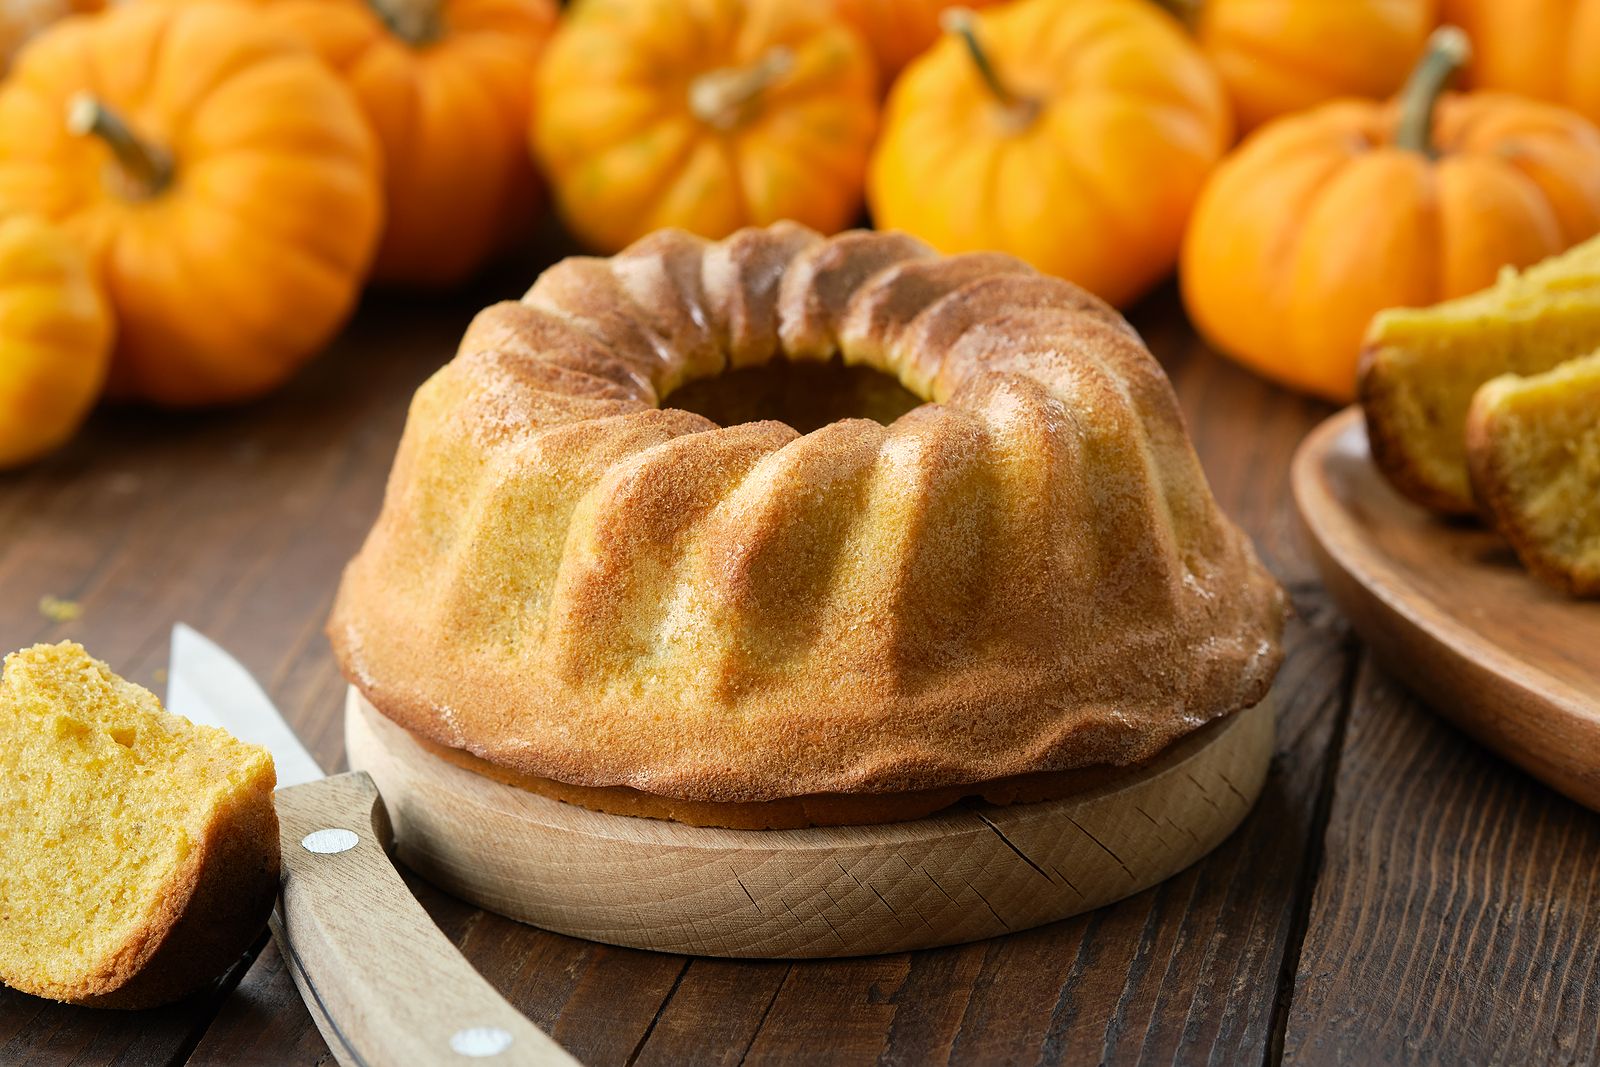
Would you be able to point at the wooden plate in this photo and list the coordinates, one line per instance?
(1447, 608)
(971, 872)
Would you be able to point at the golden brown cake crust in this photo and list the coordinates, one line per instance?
(213, 910)
(795, 813)
(1024, 575)
(1502, 491)
(1394, 447)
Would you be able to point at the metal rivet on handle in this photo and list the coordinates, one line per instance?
(480, 1042)
(330, 841)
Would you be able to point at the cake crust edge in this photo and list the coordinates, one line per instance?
(805, 810)
(1501, 509)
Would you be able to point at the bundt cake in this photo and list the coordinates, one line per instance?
(1023, 574)
(138, 851)
(1533, 447)
(1421, 367)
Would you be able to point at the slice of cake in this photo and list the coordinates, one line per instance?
(1421, 366)
(138, 851)
(1533, 448)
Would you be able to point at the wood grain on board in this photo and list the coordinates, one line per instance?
(1457, 909)
(971, 871)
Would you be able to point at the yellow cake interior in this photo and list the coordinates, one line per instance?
(1423, 366)
(104, 797)
(1537, 466)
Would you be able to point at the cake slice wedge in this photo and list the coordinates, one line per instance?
(1421, 367)
(1533, 450)
(138, 851)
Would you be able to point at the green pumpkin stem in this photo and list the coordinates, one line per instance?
(416, 22)
(724, 99)
(1447, 52)
(146, 168)
(964, 24)
(1185, 11)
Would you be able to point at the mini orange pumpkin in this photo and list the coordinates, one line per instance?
(704, 114)
(1545, 49)
(897, 31)
(221, 177)
(1323, 219)
(55, 338)
(447, 86)
(1278, 56)
(1074, 134)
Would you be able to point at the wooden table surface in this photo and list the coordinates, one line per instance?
(1398, 895)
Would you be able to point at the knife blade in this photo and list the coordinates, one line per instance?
(383, 984)
(208, 686)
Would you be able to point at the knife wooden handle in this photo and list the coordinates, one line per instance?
(384, 984)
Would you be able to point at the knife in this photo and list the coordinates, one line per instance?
(383, 983)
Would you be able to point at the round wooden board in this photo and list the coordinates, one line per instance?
(970, 872)
(1447, 608)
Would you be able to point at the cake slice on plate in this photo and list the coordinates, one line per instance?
(1533, 449)
(1422, 366)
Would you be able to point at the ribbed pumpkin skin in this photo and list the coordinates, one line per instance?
(1320, 221)
(1545, 49)
(626, 153)
(55, 338)
(238, 271)
(898, 31)
(451, 114)
(1282, 56)
(1097, 187)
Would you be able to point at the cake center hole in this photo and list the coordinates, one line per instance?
(805, 395)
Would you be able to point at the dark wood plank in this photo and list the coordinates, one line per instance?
(596, 1000)
(47, 1034)
(714, 1013)
(263, 1023)
(1458, 910)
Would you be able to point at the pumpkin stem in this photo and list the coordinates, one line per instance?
(724, 99)
(415, 22)
(964, 24)
(145, 168)
(1448, 51)
(1185, 11)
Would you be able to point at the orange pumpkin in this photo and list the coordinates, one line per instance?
(1545, 49)
(1325, 218)
(704, 114)
(55, 338)
(1279, 56)
(897, 31)
(1074, 134)
(21, 19)
(447, 86)
(222, 179)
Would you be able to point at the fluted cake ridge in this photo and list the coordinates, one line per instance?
(1025, 573)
